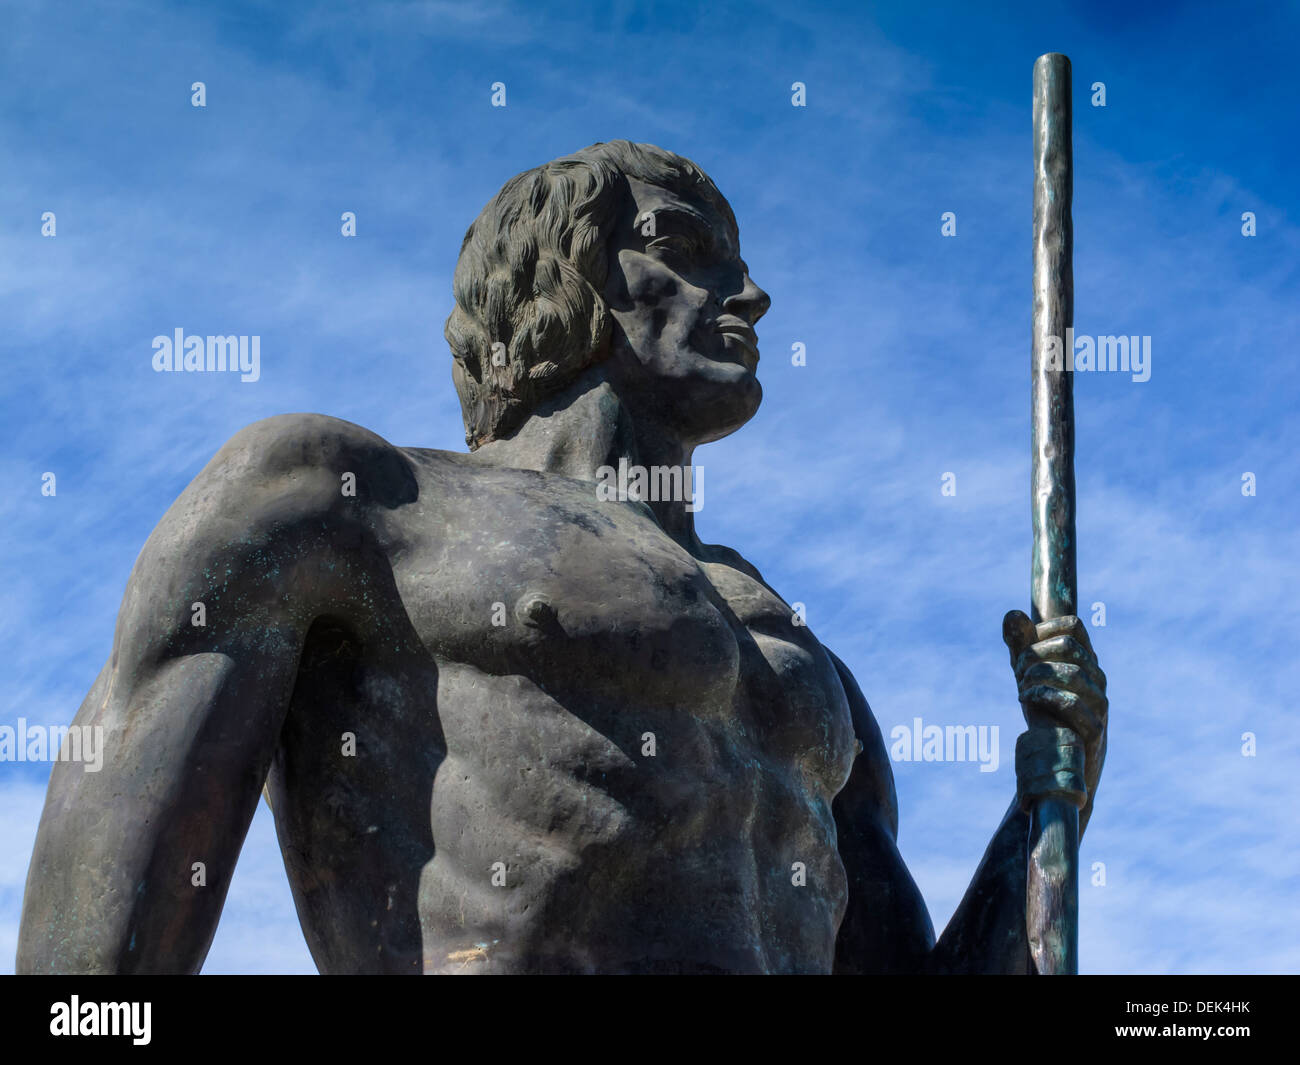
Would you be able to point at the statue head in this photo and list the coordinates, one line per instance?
(620, 253)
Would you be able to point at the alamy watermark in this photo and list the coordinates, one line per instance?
(195, 354)
(919, 742)
(53, 743)
(1082, 353)
(102, 1018)
(651, 484)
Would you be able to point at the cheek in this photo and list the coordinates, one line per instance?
(659, 302)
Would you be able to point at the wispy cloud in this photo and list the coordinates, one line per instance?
(226, 220)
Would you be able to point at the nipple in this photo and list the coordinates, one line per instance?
(536, 611)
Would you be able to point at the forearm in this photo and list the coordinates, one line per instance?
(987, 932)
(113, 886)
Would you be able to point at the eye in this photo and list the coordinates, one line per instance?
(676, 243)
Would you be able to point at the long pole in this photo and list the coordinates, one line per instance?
(1052, 902)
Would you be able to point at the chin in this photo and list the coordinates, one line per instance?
(729, 412)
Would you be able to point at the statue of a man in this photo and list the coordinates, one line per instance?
(507, 723)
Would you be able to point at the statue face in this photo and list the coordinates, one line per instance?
(684, 308)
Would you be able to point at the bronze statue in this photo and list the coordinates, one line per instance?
(508, 725)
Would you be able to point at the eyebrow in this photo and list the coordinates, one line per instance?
(693, 219)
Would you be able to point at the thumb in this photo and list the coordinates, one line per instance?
(1018, 632)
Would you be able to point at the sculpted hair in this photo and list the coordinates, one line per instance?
(531, 272)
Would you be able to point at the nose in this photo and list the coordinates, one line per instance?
(750, 303)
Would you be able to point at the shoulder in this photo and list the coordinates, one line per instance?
(314, 452)
(283, 480)
(300, 466)
(262, 526)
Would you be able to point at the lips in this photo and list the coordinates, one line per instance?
(743, 332)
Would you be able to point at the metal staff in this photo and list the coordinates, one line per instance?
(1052, 898)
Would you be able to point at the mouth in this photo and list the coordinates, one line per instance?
(743, 338)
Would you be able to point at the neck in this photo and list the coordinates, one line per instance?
(589, 426)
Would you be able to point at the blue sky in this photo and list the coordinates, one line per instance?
(226, 220)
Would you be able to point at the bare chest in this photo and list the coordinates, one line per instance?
(531, 576)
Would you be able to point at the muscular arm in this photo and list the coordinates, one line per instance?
(191, 714)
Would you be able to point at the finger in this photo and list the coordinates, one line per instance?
(1053, 708)
(1018, 632)
(1068, 677)
(1085, 712)
(1066, 625)
(1061, 649)
(1027, 662)
(1045, 705)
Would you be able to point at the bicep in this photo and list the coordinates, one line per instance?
(132, 860)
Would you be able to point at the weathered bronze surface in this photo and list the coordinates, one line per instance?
(1053, 892)
(508, 723)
